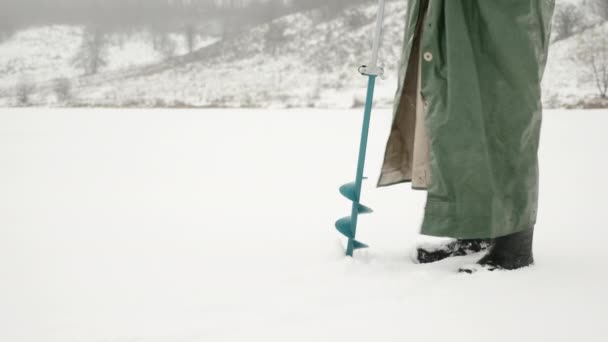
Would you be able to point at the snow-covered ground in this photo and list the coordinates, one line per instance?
(217, 225)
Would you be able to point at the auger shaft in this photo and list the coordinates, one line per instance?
(361, 160)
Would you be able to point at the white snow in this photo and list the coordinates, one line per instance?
(217, 225)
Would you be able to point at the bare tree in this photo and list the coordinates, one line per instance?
(190, 35)
(23, 91)
(600, 7)
(592, 51)
(230, 26)
(355, 19)
(566, 21)
(5, 33)
(165, 45)
(63, 90)
(92, 54)
(274, 36)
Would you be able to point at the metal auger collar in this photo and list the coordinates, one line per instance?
(371, 71)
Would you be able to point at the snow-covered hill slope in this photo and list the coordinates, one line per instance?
(41, 54)
(313, 65)
(218, 225)
(568, 81)
(315, 61)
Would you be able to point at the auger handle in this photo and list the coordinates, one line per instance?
(372, 69)
(378, 36)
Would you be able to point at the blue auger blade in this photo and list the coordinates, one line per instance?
(345, 226)
(364, 210)
(348, 190)
(359, 245)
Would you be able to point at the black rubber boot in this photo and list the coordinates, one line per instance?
(509, 252)
(426, 255)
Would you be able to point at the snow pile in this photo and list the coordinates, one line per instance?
(217, 225)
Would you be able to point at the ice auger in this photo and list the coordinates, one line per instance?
(348, 225)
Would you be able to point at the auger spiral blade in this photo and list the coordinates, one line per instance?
(348, 190)
(344, 226)
(359, 245)
(347, 225)
(364, 210)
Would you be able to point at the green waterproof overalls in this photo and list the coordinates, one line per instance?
(475, 67)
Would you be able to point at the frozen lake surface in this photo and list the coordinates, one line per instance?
(217, 225)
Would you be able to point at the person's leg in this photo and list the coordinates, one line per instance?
(421, 176)
(508, 252)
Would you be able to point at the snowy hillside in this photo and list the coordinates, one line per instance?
(568, 81)
(217, 225)
(41, 54)
(300, 60)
